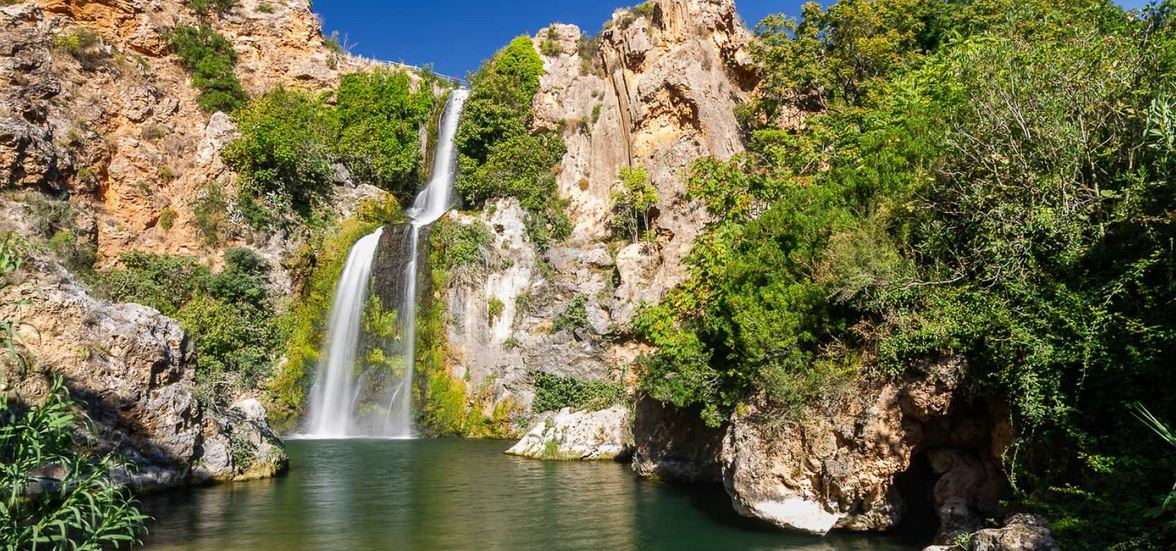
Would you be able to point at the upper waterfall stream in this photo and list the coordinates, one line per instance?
(335, 399)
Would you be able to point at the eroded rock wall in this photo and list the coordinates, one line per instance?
(119, 131)
(134, 370)
(657, 91)
(837, 464)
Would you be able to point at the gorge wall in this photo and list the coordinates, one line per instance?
(656, 91)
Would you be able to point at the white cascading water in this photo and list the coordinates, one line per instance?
(335, 395)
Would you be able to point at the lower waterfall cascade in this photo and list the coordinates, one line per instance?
(335, 398)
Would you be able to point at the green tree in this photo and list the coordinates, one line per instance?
(633, 202)
(284, 154)
(498, 155)
(210, 58)
(380, 116)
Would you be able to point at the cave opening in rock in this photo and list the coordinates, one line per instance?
(916, 485)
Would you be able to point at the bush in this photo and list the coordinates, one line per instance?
(633, 203)
(461, 246)
(494, 308)
(555, 392)
(87, 510)
(210, 58)
(549, 46)
(574, 317)
(209, 213)
(380, 116)
(499, 157)
(291, 140)
(230, 314)
(85, 46)
(206, 7)
(283, 155)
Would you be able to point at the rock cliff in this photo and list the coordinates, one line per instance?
(96, 111)
(112, 122)
(655, 89)
(134, 370)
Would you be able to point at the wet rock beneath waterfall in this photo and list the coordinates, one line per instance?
(578, 435)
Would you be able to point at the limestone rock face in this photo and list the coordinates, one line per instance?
(1021, 532)
(659, 92)
(656, 91)
(836, 465)
(120, 131)
(580, 435)
(134, 370)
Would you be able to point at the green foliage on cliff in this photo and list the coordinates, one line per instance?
(229, 314)
(291, 142)
(85, 510)
(210, 58)
(990, 179)
(380, 115)
(207, 7)
(555, 392)
(498, 154)
(632, 203)
(284, 154)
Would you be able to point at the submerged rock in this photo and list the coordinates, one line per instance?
(578, 435)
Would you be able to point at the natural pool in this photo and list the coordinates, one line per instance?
(358, 495)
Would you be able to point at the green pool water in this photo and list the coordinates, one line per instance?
(356, 495)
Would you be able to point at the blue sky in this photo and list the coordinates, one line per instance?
(456, 35)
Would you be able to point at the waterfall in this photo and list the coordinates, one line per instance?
(335, 397)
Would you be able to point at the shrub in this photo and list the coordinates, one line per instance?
(555, 392)
(380, 116)
(206, 7)
(12, 254)
(549, 46)
(210, 58)
(167, 219)
(87, 511)
(209, 213)
(574, 317)
(633, 202)
(283, 155)
(84, 45)
(498, 156)
(462, 246)
(494, 308)
(230, 314)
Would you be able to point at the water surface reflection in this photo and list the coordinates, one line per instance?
(356, 495)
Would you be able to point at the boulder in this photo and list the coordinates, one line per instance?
(133, 369)
(1021, 532)
(582, 435)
